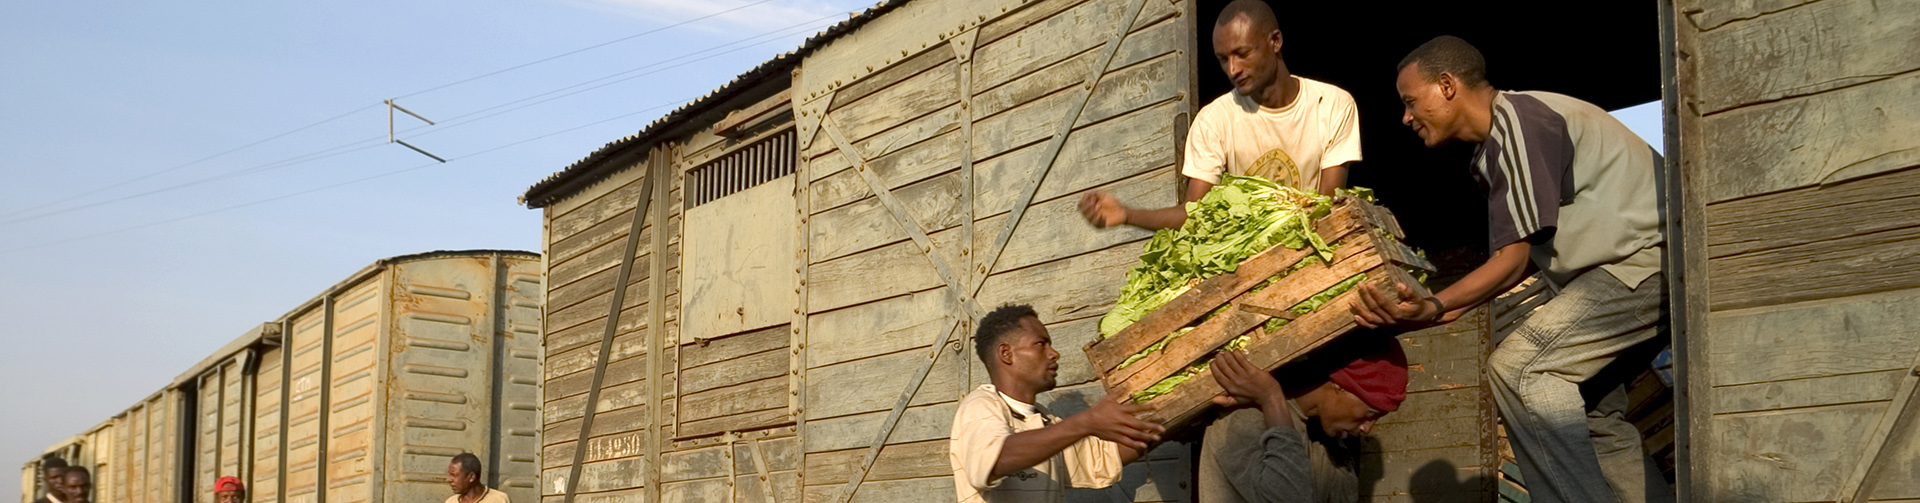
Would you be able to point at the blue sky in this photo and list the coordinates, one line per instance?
(125, 261)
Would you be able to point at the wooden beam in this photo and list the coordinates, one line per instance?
(612, 326)
(751, 115)
(1853, 489)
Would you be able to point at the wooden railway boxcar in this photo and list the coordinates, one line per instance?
(362, 394)
(768, 294)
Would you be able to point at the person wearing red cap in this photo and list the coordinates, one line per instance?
(1292, 442)
(228, 489)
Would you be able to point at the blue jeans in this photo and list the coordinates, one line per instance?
(1565, 452)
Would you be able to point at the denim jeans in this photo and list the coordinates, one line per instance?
(1566, 452)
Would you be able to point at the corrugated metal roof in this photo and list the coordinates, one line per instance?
(587, 170)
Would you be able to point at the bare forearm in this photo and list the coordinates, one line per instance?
(1028, 448)
(1501, 272)
(1333, 178)
(1156, 219)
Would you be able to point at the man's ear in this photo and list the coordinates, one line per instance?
(1274, 40)
(1449, 86)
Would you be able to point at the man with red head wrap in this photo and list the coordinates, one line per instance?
(1272, 451)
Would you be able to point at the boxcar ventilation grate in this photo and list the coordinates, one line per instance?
(761, 162)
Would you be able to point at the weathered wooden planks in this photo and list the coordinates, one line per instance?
(1036, 121)
(854, 279)
(1798, 142)
(1821, 339)
(1105, 152)
(881, 327)
(1789, 455)
(1813, 214)
(934, 204)
(918, 423)
(1070, 288)
(1040, 45)
(900, 167)
(1851, 265)
(1770, 57)
(1150, 43)
(872, 384)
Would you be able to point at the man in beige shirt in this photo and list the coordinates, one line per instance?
(1006, 447)
(1296, 131)
(463, 476)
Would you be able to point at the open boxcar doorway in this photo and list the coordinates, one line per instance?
(1606, 54)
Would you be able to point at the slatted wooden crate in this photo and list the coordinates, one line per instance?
(1366, 239)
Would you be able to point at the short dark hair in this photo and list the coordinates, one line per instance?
(1448, 54)
(76, 469)
(1002, 321)
(51, 462)
(1256, 11)
(469, 463)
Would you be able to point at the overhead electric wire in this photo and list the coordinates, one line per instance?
(450, 123)
(10, 215)
(185, 164)
(257, 202)
(580, 50)
(623, 76)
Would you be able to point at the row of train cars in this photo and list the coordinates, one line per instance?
(358, 395)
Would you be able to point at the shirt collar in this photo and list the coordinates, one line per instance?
(1020, 409)
(52, 497)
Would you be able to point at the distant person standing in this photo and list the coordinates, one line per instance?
(76, 485)
(463, 476)
(51, 468)
(229, 490)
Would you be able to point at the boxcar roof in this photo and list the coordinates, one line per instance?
(588, 169)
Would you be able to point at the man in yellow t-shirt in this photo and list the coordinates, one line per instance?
(463, 476)
(1298, 132)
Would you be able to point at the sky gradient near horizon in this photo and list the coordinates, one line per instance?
(128, 259)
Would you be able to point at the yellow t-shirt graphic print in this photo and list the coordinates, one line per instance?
(1289, 145)
(1277, 166)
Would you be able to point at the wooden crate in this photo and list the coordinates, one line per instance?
(1366, 239)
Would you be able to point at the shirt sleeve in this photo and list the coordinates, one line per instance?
(1526, 165)
(1093, 462)
(1343, 143)
(1206, 153)
(979, 432)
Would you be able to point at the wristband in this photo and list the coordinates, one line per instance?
(1439, 308)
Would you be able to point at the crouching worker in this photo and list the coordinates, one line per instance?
(1006, 447)
(1288, 443)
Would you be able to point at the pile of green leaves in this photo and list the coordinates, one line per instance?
(1240, 217)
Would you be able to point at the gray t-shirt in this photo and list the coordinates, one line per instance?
(1574, 180)
(1242, 460)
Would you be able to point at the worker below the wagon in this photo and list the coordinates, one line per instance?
(1301, 445)
(1006, 447)
(1571, 189)
(1296, 131)
(51, 467)
(76, 485)
(229, 490)
(463, 476)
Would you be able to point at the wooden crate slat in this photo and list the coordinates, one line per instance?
(1208, 337)
(1368, 237)
(1299, 337)
(1211, 293)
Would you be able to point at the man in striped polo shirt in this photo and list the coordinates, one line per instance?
(1571, 188)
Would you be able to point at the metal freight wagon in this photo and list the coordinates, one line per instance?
(362, 394)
